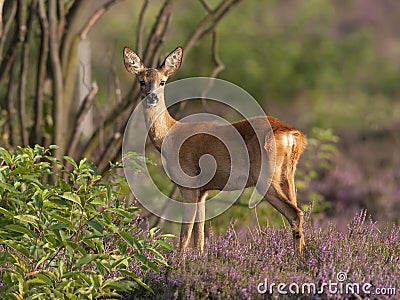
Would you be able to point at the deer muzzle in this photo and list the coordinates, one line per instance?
(151, 99)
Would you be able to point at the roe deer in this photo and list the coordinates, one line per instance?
(258, 134)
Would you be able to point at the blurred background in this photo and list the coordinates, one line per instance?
(329, 68)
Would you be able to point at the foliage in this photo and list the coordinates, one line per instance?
(317, 160)
(73, 239)
(235, 263)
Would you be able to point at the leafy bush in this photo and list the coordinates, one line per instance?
(72, 238)
(235, 263)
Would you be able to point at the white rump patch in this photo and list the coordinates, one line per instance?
(289, 140)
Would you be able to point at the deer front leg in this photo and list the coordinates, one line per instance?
(189, 199)
(198, 230)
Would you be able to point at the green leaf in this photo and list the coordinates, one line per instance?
(72, 197)
(153, 231)
(20, 229)
(71, 161)
(27, 219)
(5, 212)
(4, 154)
(155, 252)
(165, 245)
(84, 260)
(136, 279)
(8, 187)
(96, 226)
(127, 238)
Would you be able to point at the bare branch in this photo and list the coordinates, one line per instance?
(206, 6)
(95, 17)
(11, 111)
(113, 147)
(157, 49)
(157, 31)
(84, 109)
(36, 134)
(219, 66)
(208, 24)
(139, 33)
(172, 194)
(1, 16)
(73, 17)
(7, 26)
(59, 117)
(26, 28)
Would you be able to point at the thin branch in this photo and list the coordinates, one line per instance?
(95, 17)
(84, 109)
(139, 33)
(219, 66)
(206, 6)
(62, 18)
(114, 145)
(157, 31)
(7, 26)
(1, 16)
(11, 111)
(24, 72)
(172, 194)
(36, 134)
(73, 17)
(208, 24)
(157, 49)
(11, 54)
(59, 118)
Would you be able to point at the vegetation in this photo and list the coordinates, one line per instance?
(237, 262)
(73, 239)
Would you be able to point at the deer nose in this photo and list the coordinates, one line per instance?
(151, 98)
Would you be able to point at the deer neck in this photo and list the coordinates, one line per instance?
(158, 122)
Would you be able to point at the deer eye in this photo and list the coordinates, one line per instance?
(142, 83)
(162, 83)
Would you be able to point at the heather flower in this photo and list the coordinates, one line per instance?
(235, 263)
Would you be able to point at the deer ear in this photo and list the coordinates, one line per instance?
(172, 62)
(132, 61)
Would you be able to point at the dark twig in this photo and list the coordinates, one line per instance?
(7, 25)
(157, 49)
(95, 17)
(172, 194)
(206, 6)
(59, 115)
(157, 31)
(24, 38)
(11, 111)
(37, 132)
(219, 66)
(208, 24)
(83, 110)
(139, 33)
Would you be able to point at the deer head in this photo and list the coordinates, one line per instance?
(151, 80)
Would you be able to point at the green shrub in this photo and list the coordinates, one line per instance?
(65, 232)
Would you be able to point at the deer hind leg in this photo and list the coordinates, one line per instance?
(198, 229)
(281, 193)
(189, 199)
